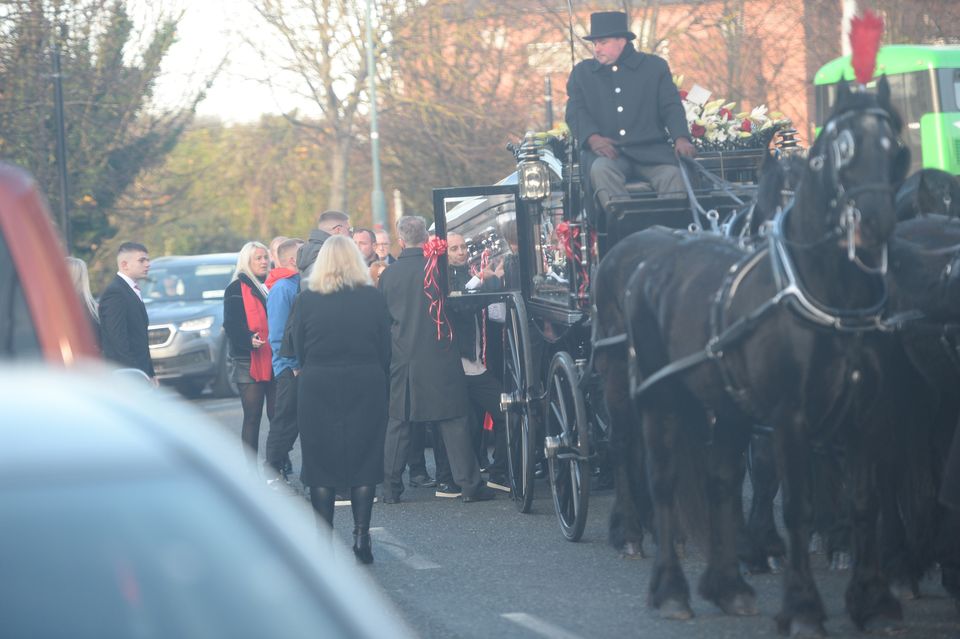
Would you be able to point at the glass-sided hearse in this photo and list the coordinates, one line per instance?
(549, 238)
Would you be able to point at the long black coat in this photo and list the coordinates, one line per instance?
(631, 105)
(427, 382)
(342, 341)
(123, 327)
(239, 335)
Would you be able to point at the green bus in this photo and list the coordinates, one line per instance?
(925, 88)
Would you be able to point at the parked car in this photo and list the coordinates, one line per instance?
(127, 513)
(40, 314)
(184, 300)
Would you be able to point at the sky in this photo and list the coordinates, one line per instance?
(209, 32)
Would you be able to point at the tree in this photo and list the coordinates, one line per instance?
(322, 58)
(461, 87)
(111, 133)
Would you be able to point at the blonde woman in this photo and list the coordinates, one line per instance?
(81, 284)
(340, 334)
(245, 323)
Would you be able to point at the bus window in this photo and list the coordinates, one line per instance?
(949, 90)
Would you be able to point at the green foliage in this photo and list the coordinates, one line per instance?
(223, 186)
(111, 133)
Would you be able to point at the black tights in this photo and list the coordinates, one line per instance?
(361, 502)
(252, 399)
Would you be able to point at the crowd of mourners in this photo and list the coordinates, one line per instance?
(338, 342)
(336, 338)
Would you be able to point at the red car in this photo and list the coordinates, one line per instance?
(40, 314)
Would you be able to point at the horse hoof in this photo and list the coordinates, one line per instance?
(806, 630)
(675, 610)
(742, 605)
(840, 561)
(632, 550)
(775, 564)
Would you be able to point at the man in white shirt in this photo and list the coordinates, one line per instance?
(123, 317)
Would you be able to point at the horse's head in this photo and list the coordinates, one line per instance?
(779, 179)
(928, 191)
(856, 164)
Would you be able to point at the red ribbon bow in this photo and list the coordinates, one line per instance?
(432, 250)
(566, 236)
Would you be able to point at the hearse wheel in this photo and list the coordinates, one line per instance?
(517, 404)
(567, 446)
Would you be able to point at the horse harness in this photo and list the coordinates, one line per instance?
(790, 292)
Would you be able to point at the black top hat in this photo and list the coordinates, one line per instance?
(609, 24)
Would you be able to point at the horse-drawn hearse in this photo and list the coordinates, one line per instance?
(539, 223)
(650, 342)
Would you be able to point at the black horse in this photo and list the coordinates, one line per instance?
(925, 310)
(784, 324)
(928, 191)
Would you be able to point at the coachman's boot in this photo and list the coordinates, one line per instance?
(361, 546)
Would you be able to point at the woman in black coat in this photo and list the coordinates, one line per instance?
(245, 323)
(340, 333)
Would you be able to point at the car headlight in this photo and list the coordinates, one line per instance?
(199, 324)
(534, 178)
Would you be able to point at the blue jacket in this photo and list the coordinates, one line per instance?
(279, 303)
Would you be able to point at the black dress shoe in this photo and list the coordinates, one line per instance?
(422, 481)
(448, 490)
(483, 493)
(362, 547)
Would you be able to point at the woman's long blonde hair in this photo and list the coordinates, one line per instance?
(81, 284)
(243, 264)
(339, 265)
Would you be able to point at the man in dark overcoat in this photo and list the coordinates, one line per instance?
(427, 383)
(123, 317)
(621, 106)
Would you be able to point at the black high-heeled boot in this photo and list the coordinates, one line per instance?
(361, 546)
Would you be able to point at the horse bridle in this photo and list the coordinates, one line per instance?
(840, 148)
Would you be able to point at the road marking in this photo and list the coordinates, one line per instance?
(393, 546)
(538, 625)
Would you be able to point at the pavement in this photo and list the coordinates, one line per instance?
(484, 570)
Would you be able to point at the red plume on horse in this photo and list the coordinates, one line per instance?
(865, 35)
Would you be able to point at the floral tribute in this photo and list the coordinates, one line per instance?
(715, 126)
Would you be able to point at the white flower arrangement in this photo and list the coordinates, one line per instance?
(714, 126)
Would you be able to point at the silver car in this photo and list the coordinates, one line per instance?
(184, 300)
(127, 513)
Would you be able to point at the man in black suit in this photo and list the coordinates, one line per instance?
(622, 105)
(123, 318)
(427, 383)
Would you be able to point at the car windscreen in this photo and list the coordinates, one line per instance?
(186, 283)
(150, 557)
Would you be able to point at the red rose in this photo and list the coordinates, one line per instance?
(698, 130)
(683, 95)
(725, 114)
(746, 126)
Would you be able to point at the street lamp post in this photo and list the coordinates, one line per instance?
(378, 203)
(61, 147)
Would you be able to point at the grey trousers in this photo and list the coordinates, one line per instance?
(609, 178)
(456, 439)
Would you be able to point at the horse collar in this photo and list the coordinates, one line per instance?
(791, 289)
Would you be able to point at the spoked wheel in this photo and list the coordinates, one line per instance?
(567, 446)
(516, 403)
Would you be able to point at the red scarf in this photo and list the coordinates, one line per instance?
(261, 359)
(279, 273)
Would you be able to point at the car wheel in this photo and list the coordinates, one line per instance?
(223, 385)
(190, 388)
